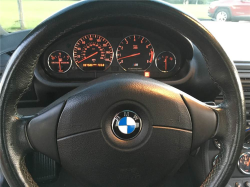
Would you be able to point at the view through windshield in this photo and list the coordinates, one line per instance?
(228, 20)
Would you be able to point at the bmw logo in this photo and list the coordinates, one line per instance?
(126, 125)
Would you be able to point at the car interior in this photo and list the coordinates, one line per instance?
(122, 93)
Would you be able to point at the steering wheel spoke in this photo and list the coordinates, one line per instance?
(42, 132)
(204, 120)
(19, 125)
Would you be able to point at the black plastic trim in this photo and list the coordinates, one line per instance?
(42, 131)
(204, 121)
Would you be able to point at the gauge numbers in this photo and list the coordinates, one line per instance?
(93, 52)
(135, 53)
(59, 61)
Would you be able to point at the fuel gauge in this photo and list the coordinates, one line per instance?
(59, 61)
(165, 61)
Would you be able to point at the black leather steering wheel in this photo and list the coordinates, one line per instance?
(76, 129)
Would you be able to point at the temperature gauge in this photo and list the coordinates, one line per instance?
(59, 61)
(165, 61)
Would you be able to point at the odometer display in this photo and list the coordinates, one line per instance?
(93, 53)
(135, 53)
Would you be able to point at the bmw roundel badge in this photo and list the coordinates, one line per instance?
(126, 125)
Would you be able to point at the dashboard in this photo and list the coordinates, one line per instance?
(92, 53)
(89, 53)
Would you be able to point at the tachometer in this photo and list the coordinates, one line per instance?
(135, 53)
(93, 53)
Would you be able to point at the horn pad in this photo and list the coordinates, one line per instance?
(155, 132)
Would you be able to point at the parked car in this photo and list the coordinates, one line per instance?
(230, 10)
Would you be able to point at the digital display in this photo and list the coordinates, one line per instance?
(94, 67)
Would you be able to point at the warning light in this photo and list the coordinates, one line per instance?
(147, 74)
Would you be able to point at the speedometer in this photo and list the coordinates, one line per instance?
(135, 53)
(93, 53)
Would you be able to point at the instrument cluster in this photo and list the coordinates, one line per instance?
(94, 53)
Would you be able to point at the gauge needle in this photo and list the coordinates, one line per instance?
(87, 57)
(166, 60)
(59, 62)
(136, 54)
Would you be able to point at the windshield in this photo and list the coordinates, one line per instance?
(27, 14)
(228, 20)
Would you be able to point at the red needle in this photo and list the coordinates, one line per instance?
(60, 68)
(166, 58)
(136, 54)
(87, 57)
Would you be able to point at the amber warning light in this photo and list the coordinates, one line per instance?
(147, 74)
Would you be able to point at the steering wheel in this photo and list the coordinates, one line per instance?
(81, 130)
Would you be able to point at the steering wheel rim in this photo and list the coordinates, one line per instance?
(22, 64)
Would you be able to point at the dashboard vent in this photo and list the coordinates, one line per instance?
(244, 72)
(245, 80)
